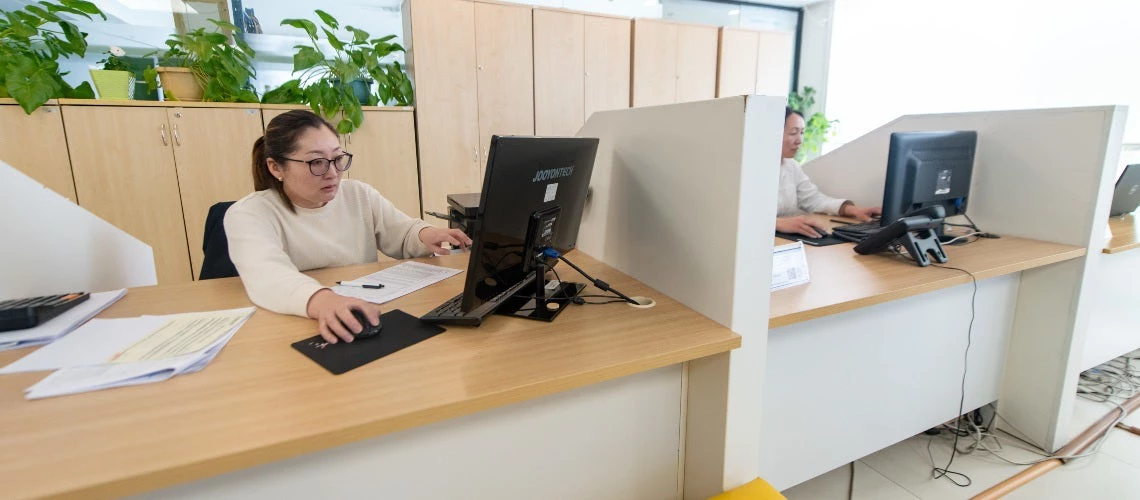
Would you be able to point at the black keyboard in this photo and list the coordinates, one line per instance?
(451, 311)
(860, 230)
(18, 314)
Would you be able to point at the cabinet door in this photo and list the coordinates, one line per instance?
(696, 63)
(34, 144)
(559, 68)
(775, 63)
(123, 165)
(607, 63)
(654, 63)
(212, 153)
(442, 63)
(736, 62)
(384, 156)
(504, 52)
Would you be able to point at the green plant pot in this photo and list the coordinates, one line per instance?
(361, 88)
(114, 85)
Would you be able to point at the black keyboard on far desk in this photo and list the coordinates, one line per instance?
(859, 230)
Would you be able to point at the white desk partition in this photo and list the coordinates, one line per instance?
(1043, 174)
(684, 201)
(52, 245)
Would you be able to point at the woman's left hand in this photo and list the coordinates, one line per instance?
(435, 237)
(862, 214)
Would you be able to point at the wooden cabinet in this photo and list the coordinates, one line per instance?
(654, 63)
(123, 164)
(736, 62)
(442, 63)
(505, 57)
(384, 150)
(211, 152)
(775, 63)
(581, 65)
(696, 62)
(473, 70)
(559, 72)
(35, 145)
(607, 62)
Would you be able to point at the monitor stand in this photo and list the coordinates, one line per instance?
(555, 297)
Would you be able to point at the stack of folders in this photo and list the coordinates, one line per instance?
(106, 353)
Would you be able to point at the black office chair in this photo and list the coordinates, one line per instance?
(216, 261)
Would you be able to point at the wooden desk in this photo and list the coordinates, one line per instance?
(1125, 234)
(261, 401)
(842, 280)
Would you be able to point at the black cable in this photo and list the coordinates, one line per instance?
(945, 471)
(851, 483)
(602, 285)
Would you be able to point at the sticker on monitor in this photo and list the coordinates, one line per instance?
(551, 192)
(942, 186)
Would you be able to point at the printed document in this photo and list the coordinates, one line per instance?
(397, 281)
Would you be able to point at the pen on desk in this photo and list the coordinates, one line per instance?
(377, 286)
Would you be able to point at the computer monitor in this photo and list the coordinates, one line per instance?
(928, 169)
(1126, 197)
(534, 191)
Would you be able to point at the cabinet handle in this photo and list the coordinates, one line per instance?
(174, 130)
(162, 133)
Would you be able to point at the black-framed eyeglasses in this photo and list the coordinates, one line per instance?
(320, 166)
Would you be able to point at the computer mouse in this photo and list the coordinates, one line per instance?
(369, 330)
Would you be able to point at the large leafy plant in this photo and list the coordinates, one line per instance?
(324, 82)
(222, 69)
(32, 40)
(817, 129)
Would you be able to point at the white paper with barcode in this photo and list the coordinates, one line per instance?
(789, 266)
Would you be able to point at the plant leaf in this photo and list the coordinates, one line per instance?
(32, 82)
(77, 40)
(328, 19)
(343, 127)
(304, 24)
(333, 40)
(83, 91)
(43, 13)
(305, 58)
(84, 7)
(358, 35)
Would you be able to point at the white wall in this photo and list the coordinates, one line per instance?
(896, 57)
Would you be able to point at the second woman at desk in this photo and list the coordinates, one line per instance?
(304, 216)
(799, 195)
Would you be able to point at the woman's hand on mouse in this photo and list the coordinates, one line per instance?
(799, 224)
(862, 214)
(334, 315)
(435, 237)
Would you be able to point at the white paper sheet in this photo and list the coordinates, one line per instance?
(398, 281)
(789, 266)
(60, 325)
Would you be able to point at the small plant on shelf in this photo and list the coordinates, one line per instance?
(204, 65)
(340, 84)
(115, 80)
(32, 40)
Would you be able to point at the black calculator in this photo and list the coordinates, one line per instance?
(18, 314)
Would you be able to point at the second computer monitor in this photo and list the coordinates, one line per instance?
(534, 192)
(925, 169)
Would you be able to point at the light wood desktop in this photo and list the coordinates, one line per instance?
(1125, 234)
(261, 401)
(842, 280)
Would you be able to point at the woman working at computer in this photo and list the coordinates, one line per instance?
(305, 216)
(798, 195)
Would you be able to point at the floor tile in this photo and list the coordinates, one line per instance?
(1101, 476)
(869, 485)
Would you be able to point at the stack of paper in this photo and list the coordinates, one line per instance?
(107, 353)
(60, 325)
(789, 266)
(395, 282)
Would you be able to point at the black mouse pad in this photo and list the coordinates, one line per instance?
(400, 330)
(830, 239)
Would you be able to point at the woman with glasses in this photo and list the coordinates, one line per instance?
(304, 216)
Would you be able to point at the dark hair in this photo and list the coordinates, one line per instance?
(788, 111)
(279, 141)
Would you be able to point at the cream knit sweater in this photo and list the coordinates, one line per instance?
(270, 245)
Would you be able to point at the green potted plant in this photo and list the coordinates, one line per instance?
(204, 66)
(341, 84)
(115, 81)
(817, 129)
(32, 40)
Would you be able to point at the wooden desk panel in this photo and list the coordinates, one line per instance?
(1125, 234)
(261, 401)
(842, 280)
